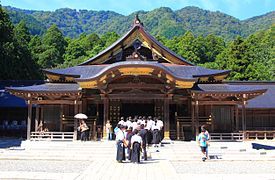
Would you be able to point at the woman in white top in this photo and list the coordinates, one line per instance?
(136, 144)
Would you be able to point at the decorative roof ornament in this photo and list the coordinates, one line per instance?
(137, 21)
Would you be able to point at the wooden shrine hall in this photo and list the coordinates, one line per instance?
(137, 75)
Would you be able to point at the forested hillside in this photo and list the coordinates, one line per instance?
(23, 55)
(159, 22)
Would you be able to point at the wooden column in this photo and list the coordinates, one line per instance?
(106, 116)
(29, 120)
(36, 118)
(193, 117)
(61, 117)
(166, 119)
(75, 120)
(237, 117)
(178, 125)
(197, 116)
(212, 118)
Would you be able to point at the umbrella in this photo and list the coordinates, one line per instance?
(81, 116)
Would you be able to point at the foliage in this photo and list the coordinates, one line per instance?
(22, 55)
(159, 22)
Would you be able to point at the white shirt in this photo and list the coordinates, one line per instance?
(155, 126)
(149, 124)
(160, 123)
(128, 123)
(119, 135)
(136, 138)
(134, 124)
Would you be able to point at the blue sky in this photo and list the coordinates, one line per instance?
(241, 9)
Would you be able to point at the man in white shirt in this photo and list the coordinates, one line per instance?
(120, 141)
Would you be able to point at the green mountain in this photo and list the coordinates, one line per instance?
(160, 22)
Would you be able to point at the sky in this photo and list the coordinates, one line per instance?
(241, 9)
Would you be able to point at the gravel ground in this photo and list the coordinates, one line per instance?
(214, 167)
(44, 166)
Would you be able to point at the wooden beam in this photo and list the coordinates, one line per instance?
(219, 102)
(54, 102)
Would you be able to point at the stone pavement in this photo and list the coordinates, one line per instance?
(96, 160)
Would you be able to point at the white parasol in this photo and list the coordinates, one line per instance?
(81, 116)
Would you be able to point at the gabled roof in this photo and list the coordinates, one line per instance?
(137, 32)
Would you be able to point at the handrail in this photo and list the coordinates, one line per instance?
(68, 136)
(226, 136)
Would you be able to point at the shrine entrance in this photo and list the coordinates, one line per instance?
(137, 109)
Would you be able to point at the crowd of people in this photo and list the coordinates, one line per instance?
(134, 135)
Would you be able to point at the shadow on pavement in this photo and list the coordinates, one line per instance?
(8, 143)
(262, 146)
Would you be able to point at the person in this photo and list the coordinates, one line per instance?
(143, 133)
(136, 144)
(202, 142)
(156, 134)
(128, 139)
(98, 133)
(120, 143)
(109, 130)
(160, 125)
(83, 130)
(203, 127)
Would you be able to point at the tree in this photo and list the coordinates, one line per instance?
(54, 45)
(6, 45)
(27, 68)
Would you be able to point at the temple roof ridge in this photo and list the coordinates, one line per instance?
(137, 32)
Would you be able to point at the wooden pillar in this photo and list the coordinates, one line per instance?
(178, 125)
(36, 118)
(29, 120)
(193, 117)
(75, 120)
(106, 116)
(166, 119)
(237, 118)
(95, 122)
(212, 118)
(197, 116)
(61, 117)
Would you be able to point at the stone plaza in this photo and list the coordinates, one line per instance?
(96, 160)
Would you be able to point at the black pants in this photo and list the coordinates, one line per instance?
(144, 152)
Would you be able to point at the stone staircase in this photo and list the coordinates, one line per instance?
(61, 150)
(228, 151)
(175, 151)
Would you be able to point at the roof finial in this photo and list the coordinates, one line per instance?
(137, 21)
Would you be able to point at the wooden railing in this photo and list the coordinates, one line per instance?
(257, 135)
(226, 136)
(52, 136)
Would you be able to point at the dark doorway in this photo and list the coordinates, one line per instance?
(131, 109)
